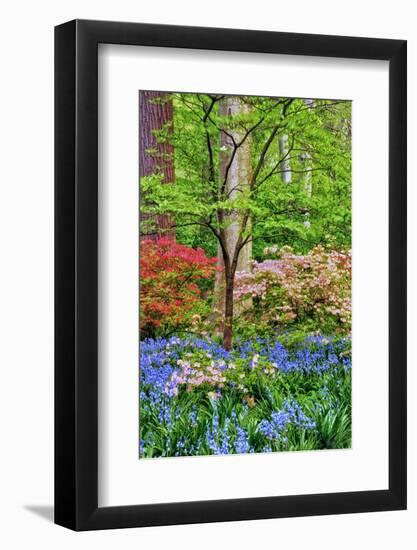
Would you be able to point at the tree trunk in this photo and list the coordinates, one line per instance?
(238, 179)
(155, 113)
(228, 313)
(305, 164)
(285, 164)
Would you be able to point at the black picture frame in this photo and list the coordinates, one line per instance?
(76, 272)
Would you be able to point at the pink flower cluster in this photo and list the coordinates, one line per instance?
(193, 374)
(315, 285)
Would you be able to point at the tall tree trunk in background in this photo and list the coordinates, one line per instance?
(305, 164)
(238, 180)
(285, 164)
(156, 113)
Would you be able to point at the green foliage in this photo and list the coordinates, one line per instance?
(279, 211)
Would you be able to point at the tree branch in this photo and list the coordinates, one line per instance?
(264, 151)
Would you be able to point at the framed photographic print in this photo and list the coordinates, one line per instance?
(230, 234)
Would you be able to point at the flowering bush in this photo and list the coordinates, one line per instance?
(198, 399)
(169, 293)
(313, 288)
(197, 369)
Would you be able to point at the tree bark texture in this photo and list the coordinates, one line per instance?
(156, 156)
(239, 173)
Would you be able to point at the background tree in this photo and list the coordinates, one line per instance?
(286, 164)
(156, 155)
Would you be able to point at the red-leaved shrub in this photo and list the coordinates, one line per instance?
(169, 294)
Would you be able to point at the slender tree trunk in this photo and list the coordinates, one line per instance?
(239, 173)
(155, 113)
(285, 164)
(305, 164)
(228, 313)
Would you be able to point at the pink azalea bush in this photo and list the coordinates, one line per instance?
(315, 287)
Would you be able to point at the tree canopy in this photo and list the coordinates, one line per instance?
(281, 213)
